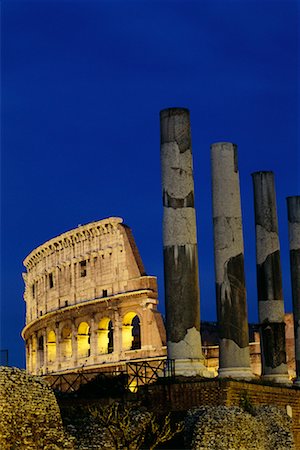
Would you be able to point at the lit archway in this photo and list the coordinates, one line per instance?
(33, 355)
(51, 346)
(66, 345)
(131, 332)
(83, 340)
(105, 336)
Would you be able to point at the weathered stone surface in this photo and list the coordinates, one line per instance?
(293, 204)
(84, 291)
(269, 282)
(222, 427)
(229, 262)
(180, 240)
(29, 415)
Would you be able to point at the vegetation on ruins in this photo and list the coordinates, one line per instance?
(119, 426)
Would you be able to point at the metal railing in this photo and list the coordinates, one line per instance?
(134, 375)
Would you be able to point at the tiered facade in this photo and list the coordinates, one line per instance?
(89, 302)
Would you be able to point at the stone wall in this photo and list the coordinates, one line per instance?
(29, 414)
(223, 428)
(182, 396)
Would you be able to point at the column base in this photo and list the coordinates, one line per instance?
(191, 368)
(238, 373)
(281, 378)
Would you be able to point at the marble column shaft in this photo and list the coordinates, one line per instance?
(269, 282)
(293, 205)
(234, 358)
(179, 237)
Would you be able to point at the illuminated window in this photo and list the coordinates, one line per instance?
(105, 336)
(83, 340)
(51, 346)
(131, 332)
(33, 355)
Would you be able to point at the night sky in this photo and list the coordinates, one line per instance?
(82, 86)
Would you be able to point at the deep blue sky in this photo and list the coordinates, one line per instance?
(82, 87)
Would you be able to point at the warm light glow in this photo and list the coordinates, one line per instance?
(51, 345)
(83, 340)
(127, 337)
(133, 386)
(66, 347)
(33, 355)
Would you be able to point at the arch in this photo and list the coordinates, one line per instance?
(51, 346)
(105, 336)
(131, 332)
(33, 355)
(66, 344)
(83, 340)
(41, 351)
(136, 333)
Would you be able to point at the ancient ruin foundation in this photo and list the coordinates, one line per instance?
(234, 360)
(180, 243)
(89, 302)
(293, 205)
(269, 284)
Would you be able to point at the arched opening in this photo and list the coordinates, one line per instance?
(131, 332)
(83, 340)
(66, 345)
(105, 336)
(41, 350)
(136, 333)
(33, 355)
(51, 346)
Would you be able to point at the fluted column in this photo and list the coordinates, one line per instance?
(234, 359)
(293, 205)
(182, 295)
(269, 283)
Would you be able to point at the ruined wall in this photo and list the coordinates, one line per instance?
(223, 428)
(29, 414)
(183, 396)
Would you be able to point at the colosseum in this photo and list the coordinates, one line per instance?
(89, 302)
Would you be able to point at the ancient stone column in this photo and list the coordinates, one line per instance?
(293, 205)
(269, 284)
(182, 295)
(234, 358)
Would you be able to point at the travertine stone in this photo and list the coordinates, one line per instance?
(234, 360)
(269, 284)
(180, 243)
(293, 205)
(75, 286)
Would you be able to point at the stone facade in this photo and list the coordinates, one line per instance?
(89, 302)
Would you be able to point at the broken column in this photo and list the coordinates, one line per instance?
(269, 284)
(234, 358)
(182, 296)
(293, 205)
